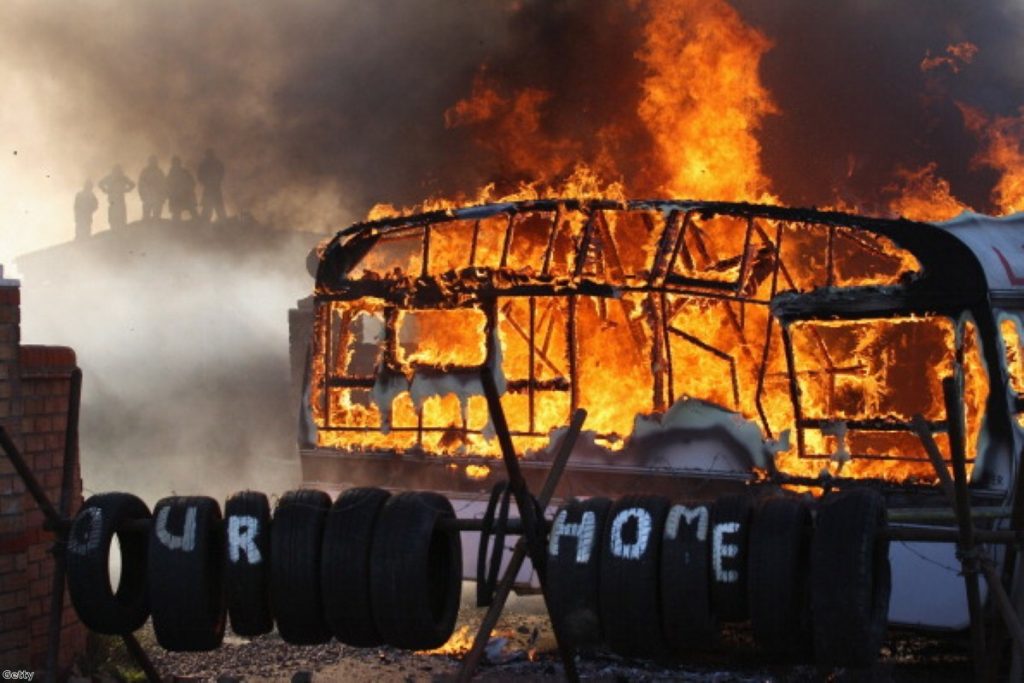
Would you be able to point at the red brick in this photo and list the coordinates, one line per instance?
(13, 581)
(33, 517)
(41, 461)
(11, 600)
(9, 640)
(10, 296)
(40, 588)
(35, 609)
(14, 618)
(11, 525)
(36, 553)
(10, 505)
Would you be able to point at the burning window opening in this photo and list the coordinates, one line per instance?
(1013, 343)
(831, 327)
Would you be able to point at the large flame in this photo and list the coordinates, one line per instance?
(693, 129)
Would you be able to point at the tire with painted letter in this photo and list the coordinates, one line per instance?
(345, 573)
(630, 565)
(573, 570)
(850, 579)
(415, 571)
(687, 619)
(779, 578)
(102, 609)
(247, 571)
(730, 532)
(296, 536)
(186, 568)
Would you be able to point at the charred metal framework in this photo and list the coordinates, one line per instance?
(680, 266)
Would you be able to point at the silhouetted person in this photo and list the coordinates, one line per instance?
(211, 174)
(85, 207)
(181, 190)
(117, 185)
(152, 190)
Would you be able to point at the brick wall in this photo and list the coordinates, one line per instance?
(34, 393)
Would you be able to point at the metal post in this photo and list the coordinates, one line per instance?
(969, 560)
(137, 653)
(501, 593)
(535, 545)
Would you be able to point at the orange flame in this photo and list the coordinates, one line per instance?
(700, 104)
(703, 99)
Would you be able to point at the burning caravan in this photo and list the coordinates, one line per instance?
(716, 347)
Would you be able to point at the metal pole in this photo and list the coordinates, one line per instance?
(969, 559)
(532, 543)
(924, 433)
(1004, 604)
(136, 651)
(60, 544)
(472, 659)
(53, 518)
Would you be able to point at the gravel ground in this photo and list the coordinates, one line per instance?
(522, 649)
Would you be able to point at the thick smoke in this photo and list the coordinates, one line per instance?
(320, 109)
(324, 108)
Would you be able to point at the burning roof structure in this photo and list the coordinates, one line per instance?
(821, 334)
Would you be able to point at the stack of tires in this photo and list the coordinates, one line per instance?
(368, 569)
(647, 578)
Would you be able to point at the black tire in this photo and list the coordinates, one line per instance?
(850, 579)
(247, 571)
(630, 565)
(730, 531)
(779, 580)
(687, 619)
(295, 555)
(186, 568)
(101, 608)
(348, 538)
(573, 570)
(415, 571)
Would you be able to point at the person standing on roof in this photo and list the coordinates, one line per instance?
(152, 190)
(181, 191)
(116, 185)
(85, 207)
(211, 175)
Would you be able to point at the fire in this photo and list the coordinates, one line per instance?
(696, 324)
(703, 99)
(408, 379)
(461, 642)
(924, 196)
(1001, 138)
